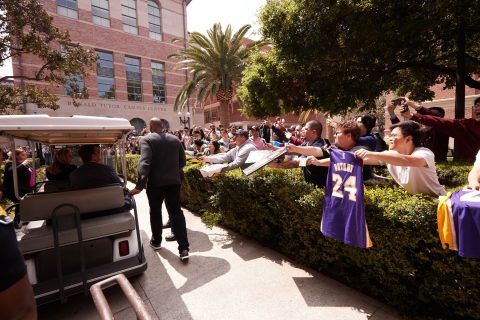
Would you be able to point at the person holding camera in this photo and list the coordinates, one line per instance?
(466, 132)
(433, 139)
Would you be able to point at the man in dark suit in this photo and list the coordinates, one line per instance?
(92, 173)
(160, 170)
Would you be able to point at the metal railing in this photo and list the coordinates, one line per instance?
(133, 298)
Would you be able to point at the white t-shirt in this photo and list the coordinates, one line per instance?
(477, 160)
(418, 179)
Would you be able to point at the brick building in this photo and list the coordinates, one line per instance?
(133, 78)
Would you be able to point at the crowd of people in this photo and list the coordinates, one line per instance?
(415, 144)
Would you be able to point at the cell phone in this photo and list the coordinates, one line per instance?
(398, 101)
(404, 108)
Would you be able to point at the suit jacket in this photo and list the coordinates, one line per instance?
(161, 161)
(92, 174)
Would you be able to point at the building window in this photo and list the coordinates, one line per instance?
(129, 16)
(211, 115)
(158, 81)
(154, 22)
(101, 13)
(134, 79)
(67, 8)
(73, 84)
(105, 75)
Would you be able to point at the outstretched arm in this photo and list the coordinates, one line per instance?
(449, 127)
(311, 160)
(397, 159)
(306, 150)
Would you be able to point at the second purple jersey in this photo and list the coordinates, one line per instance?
(344, 209)
(463, 212)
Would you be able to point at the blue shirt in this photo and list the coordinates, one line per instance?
(368, 141)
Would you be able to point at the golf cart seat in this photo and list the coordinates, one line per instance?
(97, 207)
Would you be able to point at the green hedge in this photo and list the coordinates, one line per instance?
(406, 268)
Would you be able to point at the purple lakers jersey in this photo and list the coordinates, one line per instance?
(459, 222)
(344, 210)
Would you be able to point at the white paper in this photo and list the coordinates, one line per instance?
(302, 162)
(257, 155)
(264, 161)
(210, 170)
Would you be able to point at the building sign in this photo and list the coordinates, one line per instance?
(118, 106)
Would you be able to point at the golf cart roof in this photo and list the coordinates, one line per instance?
(64, 130)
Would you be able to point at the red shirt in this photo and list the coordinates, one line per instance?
(433, 139)
(465, 131)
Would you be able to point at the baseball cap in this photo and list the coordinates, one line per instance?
(241, 132)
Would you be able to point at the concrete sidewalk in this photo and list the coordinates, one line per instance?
(228, 277)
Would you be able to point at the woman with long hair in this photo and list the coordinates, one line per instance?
(61, 166)
(213, 148)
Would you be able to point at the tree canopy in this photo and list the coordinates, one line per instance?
(337, 55)
(26, 28)
(215, 62)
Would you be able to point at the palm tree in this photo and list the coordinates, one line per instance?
(215, 64)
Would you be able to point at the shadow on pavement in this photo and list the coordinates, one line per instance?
(200, 269)
(246, 248)
(159, 287)
(199, 241)
(321, 291)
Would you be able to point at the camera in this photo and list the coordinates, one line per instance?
(398, 101)
(404, 108)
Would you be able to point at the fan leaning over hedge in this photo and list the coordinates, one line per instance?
(411, 166)
(406, 268)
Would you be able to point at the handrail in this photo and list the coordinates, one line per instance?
(139, 241)
(56, 214)
(134, 299)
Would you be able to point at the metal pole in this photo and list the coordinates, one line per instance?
(14, 167)
(460, 76)
(134, 299)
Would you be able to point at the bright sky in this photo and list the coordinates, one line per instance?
(202, 14)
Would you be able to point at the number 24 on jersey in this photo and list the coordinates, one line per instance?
(349, 186)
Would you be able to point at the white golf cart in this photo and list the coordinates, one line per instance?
(74, 237)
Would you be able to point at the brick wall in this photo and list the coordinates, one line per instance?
(121, 44)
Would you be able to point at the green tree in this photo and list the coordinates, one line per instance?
(215, 63)
(337, 55)
(26, 29)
